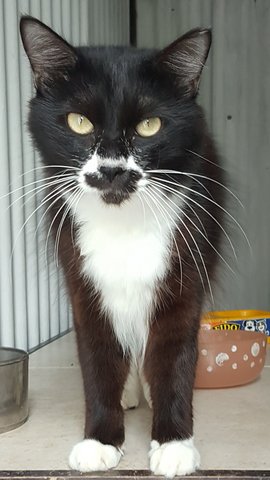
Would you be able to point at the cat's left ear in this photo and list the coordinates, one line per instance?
(185, 58)
(50, 56)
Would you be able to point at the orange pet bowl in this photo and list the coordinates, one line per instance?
(228, 357)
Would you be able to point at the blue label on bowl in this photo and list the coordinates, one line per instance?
(228, 326)
(250, 325)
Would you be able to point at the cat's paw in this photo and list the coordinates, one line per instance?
(178, 457)
(131, 393)
(92, 456)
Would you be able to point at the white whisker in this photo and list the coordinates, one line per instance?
(217, 204)
(64, 192)
(39, 189)
(23, 226)
(173, 190)
(44, 167)
(196, 245)
(189, 199)
(197, 175)
(204, 158)
(143, 207)
(12, 192)
(198, 230)
(154, 213)
(72, 227)
(50, 196)
(194, 180)
(78, 198)
(172, 234)
(61, 223)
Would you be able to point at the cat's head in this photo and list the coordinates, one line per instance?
(106, 116)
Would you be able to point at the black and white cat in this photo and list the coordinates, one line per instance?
(135, 197)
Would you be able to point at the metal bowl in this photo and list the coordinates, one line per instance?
(14, 388)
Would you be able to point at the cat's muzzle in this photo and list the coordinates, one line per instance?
(115, 183)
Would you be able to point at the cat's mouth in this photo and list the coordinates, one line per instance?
(115, 198)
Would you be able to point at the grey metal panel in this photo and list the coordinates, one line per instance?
(84, 30)
(6, 293)
(161, 22)
(17, 258)
(43, 314)
(31, 265)
(235, 94)
(241, 122)
(33, 304)
(108, 22)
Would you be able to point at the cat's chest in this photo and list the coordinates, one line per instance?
(126, 253)
(123, 256)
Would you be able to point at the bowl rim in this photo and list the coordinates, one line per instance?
(228, 315)
(19, 356)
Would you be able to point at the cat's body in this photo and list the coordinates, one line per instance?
(138, 244)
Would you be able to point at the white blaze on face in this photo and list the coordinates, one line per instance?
(92, 166)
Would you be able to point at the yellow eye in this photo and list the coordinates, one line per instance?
(79, 123)
(148, 127)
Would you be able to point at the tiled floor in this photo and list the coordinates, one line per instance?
(232, 426)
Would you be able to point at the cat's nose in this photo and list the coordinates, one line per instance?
(111, 172)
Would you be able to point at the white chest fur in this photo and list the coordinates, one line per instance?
(126, 251)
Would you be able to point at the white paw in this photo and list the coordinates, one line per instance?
(178, 457)
(131, 392)
(92, 456)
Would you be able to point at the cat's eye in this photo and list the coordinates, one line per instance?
(79, 123)
(148, 127)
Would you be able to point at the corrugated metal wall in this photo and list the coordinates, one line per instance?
(33, 305)
(235, 94)
(241, 123)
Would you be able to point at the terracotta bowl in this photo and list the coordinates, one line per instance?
(228, 358)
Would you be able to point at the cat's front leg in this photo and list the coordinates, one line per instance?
(104, 371)
(169, 369)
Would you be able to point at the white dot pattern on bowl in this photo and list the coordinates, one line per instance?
(263, 343)
(252, 364)
(245, 357)
(204, 352)
(234, 348)
(234, 366)
(255, 349)
(221, 358)
(209, 369)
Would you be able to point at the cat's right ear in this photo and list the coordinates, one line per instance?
(50, 56)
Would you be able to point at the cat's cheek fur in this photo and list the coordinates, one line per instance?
(178, 457)
(91, 456)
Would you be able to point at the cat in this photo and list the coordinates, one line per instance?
(136, 198)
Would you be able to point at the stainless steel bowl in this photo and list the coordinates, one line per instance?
(13, 388)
